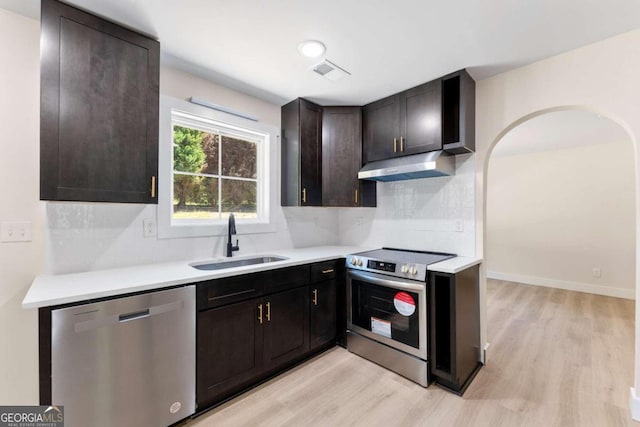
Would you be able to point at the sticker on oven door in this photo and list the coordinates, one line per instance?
(404, 303)
(381, 327)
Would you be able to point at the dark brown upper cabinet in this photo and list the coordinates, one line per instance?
(420, 119)
(301, 139)
(342, 159)
(98, 109)
(381, 129)
(436, 115)
(459, 113)
(403, 124)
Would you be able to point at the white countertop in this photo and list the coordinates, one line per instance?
(454, 265)
(50, 290)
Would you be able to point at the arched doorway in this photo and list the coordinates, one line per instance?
(560, 205)
(486, 182)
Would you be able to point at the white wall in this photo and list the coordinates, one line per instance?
(19, 194)
(601, 77)
(181, 85)
(553, 216)
(418, 214)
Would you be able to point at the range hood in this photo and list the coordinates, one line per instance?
(425, 165)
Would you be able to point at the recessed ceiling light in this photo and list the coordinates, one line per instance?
(311, 48)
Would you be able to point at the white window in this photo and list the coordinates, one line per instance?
(212, 164)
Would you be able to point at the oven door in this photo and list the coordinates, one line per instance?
(390, 310)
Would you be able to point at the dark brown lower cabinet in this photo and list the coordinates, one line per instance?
(322, 314)
(455, 328)
(229, 350)
(286, 327)
(238, 344)
(280, 322)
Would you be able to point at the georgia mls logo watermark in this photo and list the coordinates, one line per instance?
(31, 416)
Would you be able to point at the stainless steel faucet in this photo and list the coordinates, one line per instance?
(232, 230)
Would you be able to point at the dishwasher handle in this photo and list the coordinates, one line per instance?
(88, 325)
(133, 316)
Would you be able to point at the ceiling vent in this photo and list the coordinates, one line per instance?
(330, 71)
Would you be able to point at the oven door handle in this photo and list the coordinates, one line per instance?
(376, 279)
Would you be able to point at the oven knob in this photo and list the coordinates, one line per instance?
(358, 262)
(404, 268)
(413, 270)
(352, 261)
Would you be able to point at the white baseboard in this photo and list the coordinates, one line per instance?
(634, 404)
(564, 284)
(484, 353)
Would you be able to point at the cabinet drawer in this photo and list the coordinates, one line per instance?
(286, 278)
(324, 270)
(216, 293)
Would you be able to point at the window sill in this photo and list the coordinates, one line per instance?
(191, 230)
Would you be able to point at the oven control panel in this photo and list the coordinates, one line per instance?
(382, 266)
(407, 270)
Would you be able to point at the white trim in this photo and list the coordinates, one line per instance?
(634, 404)
(483, 357)
(267, 183)
(609, 291)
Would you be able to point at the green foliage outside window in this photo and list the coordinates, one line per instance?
(198, 169)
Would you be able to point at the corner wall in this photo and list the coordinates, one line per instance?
(19, 195)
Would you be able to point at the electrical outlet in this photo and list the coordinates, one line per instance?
(16, 231)
(459, 225)
(149, 227)
(596, 272)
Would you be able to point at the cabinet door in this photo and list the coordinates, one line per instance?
(229, 350)
(99, 109)
(381, 128)
(310, 153)
(341, 156)
(421, 119)
(286, 328)
(322, 313)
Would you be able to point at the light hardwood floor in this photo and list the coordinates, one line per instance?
(557, 358)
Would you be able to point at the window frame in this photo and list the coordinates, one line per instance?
(202, 118)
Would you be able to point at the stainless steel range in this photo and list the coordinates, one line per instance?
(387, 309)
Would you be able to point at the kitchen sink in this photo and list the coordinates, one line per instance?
(240, 262)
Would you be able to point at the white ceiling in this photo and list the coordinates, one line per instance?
(557, 131)
(387, 46)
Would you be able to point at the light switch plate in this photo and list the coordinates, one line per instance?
(16, 231)
(459, 225)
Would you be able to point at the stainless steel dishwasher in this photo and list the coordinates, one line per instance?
(127, 361)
